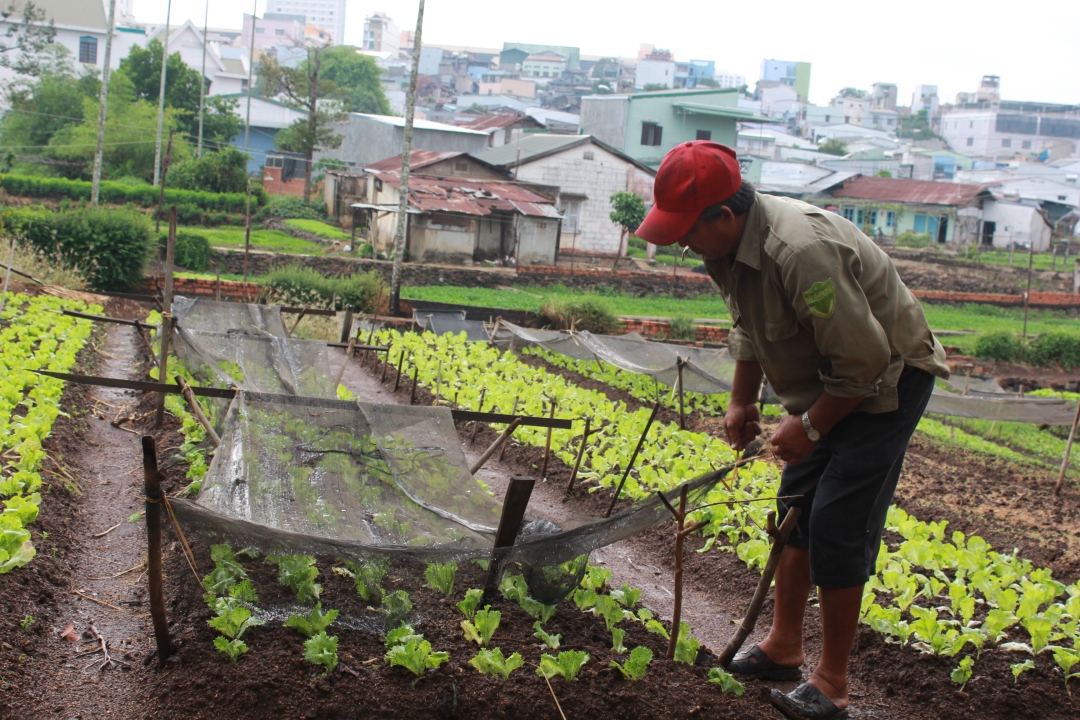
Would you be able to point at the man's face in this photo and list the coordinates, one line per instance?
(713, 239)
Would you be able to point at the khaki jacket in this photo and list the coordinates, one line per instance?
(821, 308)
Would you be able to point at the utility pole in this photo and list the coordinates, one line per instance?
(202, 86)
(99, 151)
(406, 151)
(247, 135)
(161, 96)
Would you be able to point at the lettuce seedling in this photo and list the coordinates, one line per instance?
(537, 609)
(471, 602)
(415, 655)
(628, 597)
(313, 623)
(514, 588)
(1020, 668)
(1039, 628)
(321, 649)
(686, 647)
(231, 621)
(440, 576)
(644, 615)
(244, 591)
(231, 649)
(483, 626)
(595, 579)
(397, 605)
(610, 610)
(298, 573)
(568, 664)
(401, 635)
(585, 599)
(654, 626)
(726, 681)
(962, 672)
(492, 662)
(617, 635)
(552, 641)
(997, 622)
(368, 578)
(637, 664)
(227, 570)
(1066, 659)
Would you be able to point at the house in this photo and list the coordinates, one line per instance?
(451, 220)
(81, 27)
(226, 65)
(502, 128)
(656, 69)
(274, 29)
(369, 138)
(1009, 128)
(587, 172)
(544, 65)
(948, 212)
(646, 125)
(381, 34)
(1010, 220)
(443, 165)
(268, 117)
(514, 54)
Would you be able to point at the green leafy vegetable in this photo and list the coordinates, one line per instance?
(400, 635)
(654, 626)
(321, 649)
(617, 635)
(397, 605)
(628, 597)
(637, 664)
(962, 672)
(313, 623)
(687, 646)
(610, 610)
(492, 662)
(298, 573)
(440, 576)
(726, 681)
(537, 609)
(415, 655)
(514, 588)
(472, 600)
(568, 664)
(1019, 668)
(585, 599)
(595, 579)
(552, 641)
(483, 626)
(244, 591)
(231, 649)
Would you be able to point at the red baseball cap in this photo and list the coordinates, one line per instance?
(693, 176)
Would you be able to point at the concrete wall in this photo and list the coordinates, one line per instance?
(1016, 223)
(604, 117)
(677, 127)
(536, 240)
(442, 238)
(654, 72)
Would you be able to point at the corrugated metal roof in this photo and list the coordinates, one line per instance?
(531, 146)
(494, 121)
(417, 159)
(471, 197)
(925, 192)
(722, 111)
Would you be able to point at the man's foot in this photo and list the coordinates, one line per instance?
(807, 702)
(755, 664)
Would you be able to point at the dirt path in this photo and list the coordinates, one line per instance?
(106, 545)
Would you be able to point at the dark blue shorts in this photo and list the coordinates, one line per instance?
(848, 482)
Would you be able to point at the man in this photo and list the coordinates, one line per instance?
(820, 311)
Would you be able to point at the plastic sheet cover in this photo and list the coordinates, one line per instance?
(1003, 407)
(451, 322)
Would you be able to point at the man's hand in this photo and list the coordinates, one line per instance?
(742, 423)
(790, 440)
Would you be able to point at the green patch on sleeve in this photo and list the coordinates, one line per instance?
(821, 299)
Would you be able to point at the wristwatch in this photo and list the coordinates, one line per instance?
(811, 433)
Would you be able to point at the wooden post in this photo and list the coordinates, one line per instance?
(580, 454)
(412, 395)
(400, 362)
(499, 442)
(168, 325)
(167, 322)
(679, 362)
(217, 291)
(1027, 301)
(154, 496)
(513, 512)
(630, 464)
(512, 412)
(676, 610)
(547, 445)
(346, 324)
(197, 410)
(299, 317)
(1068, 450)
(344, 362)
(438, 383)
(476, 424)
(386, 364)
(780, 538)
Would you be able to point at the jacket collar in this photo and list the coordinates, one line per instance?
(749, 252)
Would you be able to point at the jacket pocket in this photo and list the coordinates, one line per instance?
(781, 328)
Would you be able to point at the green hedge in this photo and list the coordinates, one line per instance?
(193, 251)
(109, 246)
(1055, 348)
(1000, 346)
(305, 286)
(120, 194)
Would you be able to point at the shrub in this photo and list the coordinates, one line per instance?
(913, 240)
(1055, 348)
(682, 328)
(110, 246)
(223, 171)
(193, 251)
(587, 313)
(115, 193)
(1000, 346)
(291, 206)
(305, 286)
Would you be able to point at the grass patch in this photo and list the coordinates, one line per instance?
(990, 318)
(318, 228)
(274, 240)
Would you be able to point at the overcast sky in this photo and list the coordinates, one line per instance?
(947, 43)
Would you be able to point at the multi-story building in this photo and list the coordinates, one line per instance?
(658, 68)
(544, 65)
(1006, 129)
(787, 72)
(514, 54)
(726, 80)
(688, 74)
(327, 14)
(381, 34)
(275, 29)
(883, 96)
(925, 97)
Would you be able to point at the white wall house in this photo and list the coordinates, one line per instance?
(587, 173)
(654, 72)
(1005, 222)
(998, 134)
(226, 66)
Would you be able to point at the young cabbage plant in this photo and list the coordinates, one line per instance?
(585, 599)
(628, 597)
(595, 579)
(551, 641)
(469, 605)
(244, 591)
(636, 665)
(313, 623)
(514, 588)
(1019, 669)
(298, 573)
(568, 664)
(726, 681)
(492, 662)
(537, 609)
(396, 605)
(686, 646)
(321, 649)
(1066, 658)
(440, 576)
(654, 626)
(617, 635)
(482, 627)
(415, 655)
(610, 610)
(962, 672)
(400, 635)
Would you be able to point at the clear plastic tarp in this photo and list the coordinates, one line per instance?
(1003, 407)
(451, 322)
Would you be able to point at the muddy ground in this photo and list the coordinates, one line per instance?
(44, 677)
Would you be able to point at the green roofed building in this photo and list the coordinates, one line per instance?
(646, 125)
(515, 54)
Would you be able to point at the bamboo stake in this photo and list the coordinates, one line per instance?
(547, 444)
(679, 362)
(7, 275)
(168, 323)
(385, 365)
(197, 410)
(676, 610)
(499, 442)
(346, 323)
(438, 383)
(400, 362)
(630, 464)
(299, 317)
(154, 497)
(344, 362)
(412, 395)
(512, 412)
(580, 454)
(1068, 450)
(476, 424)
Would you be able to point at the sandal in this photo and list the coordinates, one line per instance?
(756, 665)
(806, 702)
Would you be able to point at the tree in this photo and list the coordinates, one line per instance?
(916, 127)
(627, 211)
(599, 70)
(182, 83)
(833, 147)
(304, 88)
(224, 171)
(221, 122)
(26, 36)
(850, 92)
(883, 173)
(357, 79)
(708, 82)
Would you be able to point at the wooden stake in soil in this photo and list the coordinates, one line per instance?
(1068, 450)
(299, 317)
(580, 454)
(346, 324)
(197, 410)
(154, 497)
(7, 273)
(517, 497)
(412, 395)
(547, 444)
(512, 412)
(385, 365)
(780, 538)
(679, 362)
(676, 610)
(400, 362)
(345, 361)
(630, 465)
(499, 442)
(167, 323)
(476, 424)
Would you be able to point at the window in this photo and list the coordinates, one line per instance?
(274, 162)
(826, 118)
(971, 124)
(461, 166)
(859, 217)
(1026, 145)
(704, 134)
(260, 31)
(88, 50)
(651, 134)
(279, 31)
(890, 219)
(572, 216)
(848, 213)
(970, 142)
(1007, 142)
(588, 155)
(1063, 197)
(873, 218)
